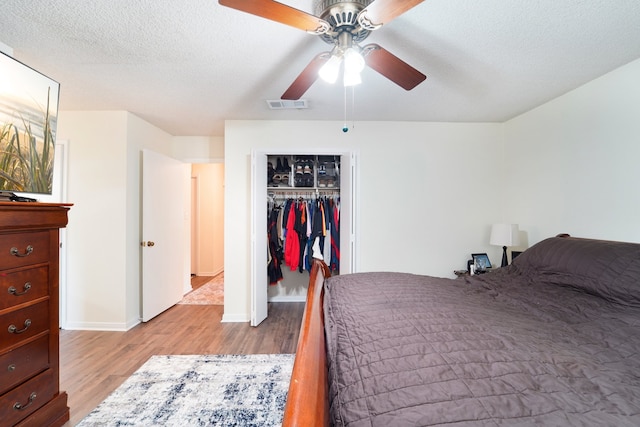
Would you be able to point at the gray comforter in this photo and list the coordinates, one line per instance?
(552, 340)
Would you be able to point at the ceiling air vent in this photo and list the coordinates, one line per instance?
(287, 104)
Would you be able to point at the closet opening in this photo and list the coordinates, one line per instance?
(303, 207)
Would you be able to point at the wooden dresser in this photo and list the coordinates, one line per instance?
(29, 304)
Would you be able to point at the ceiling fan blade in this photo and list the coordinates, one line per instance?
(281, 13)
(381, 12)
(392, 67)
(308, 76)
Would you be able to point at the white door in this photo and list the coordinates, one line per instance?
(259, 279)
(165, 232)
(348, 213)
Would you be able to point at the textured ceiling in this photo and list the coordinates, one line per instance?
(186, 66)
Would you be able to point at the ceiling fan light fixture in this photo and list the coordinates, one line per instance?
(343, 24)
(330, 70)
(353, 66)
(353, 61)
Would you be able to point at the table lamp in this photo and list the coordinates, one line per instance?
(505, 235)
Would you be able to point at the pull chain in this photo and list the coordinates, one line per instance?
(353, 107)
(345, 128)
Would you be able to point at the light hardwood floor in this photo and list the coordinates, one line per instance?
(93, 364)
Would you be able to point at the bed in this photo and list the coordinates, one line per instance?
(552, 339)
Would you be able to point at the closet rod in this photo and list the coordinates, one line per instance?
(304, 194)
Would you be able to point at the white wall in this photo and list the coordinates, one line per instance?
(198, 149)
(572, 164)
(209, 218)
(103, 283)
(103, 280)
(96, 276)
(426, 192)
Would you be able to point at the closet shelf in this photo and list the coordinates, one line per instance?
(303, 172)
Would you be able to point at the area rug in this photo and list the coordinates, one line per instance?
(211, 293)
(209, 390)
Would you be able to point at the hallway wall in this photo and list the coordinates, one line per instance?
(208, 219)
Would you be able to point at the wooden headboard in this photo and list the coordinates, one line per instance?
(308, 397)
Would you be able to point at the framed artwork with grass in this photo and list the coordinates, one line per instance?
(28, 119)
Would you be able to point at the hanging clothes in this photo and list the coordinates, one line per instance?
(276, 253)
(327, 238)
(300, 230)
(292, 240)
(308, 251)
(335, 236)
(318, 233)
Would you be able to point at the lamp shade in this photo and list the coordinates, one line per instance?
(505, 235)
(329, 71)
(353, 61)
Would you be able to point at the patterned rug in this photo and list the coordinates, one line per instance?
(211, 293)
(210, 390)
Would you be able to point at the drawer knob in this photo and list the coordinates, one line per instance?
(15, 252)
(25, 288)
(11, 368)
(19, 406)
(13, 329)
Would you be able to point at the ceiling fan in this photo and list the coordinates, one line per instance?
(342, 24)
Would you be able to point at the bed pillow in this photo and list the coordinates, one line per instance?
(608, 269)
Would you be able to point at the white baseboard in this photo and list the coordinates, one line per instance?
(101, 326)
(96, 326)
(209, 273)
(133, 322)
(235, 318)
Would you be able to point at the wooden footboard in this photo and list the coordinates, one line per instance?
(308, 397)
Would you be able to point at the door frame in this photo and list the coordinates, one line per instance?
(195, 223)
(58, 194)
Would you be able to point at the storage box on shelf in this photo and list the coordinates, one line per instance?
(328, 169)
(303, 172)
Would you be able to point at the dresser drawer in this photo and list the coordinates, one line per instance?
(18, 325)
(27, 398)
(23, 363)
(18, 249)
(21, 286)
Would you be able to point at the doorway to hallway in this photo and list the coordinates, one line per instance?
(207, 222)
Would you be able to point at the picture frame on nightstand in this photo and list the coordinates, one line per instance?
(482, 260)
